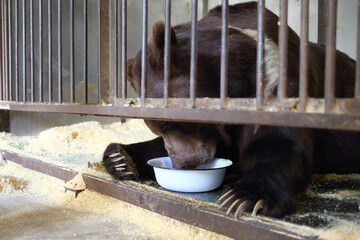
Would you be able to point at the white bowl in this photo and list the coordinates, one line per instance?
(204, 178)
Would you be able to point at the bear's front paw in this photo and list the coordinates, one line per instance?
(239, 205)
(242, 198)
(119, 164)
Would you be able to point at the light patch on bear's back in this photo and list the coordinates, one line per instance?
(271, 60)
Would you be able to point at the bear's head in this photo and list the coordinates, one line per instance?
(188, 144)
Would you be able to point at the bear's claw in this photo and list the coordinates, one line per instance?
(258, 206)
(224, 195)
(114, 154)
(115, 159)
(241, 205)
(119, 164)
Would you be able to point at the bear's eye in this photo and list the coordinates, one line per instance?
(165, 128)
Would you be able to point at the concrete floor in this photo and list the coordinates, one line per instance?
(22, 217)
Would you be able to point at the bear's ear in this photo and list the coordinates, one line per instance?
(132, 71)
(129, 68)
(157, 44)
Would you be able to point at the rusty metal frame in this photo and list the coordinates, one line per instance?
(329, 112)
(239, 111)
(204, 216)
(302, 112)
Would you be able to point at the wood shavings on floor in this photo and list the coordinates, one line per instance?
(77, 144)
(331, 205)
(50, 191)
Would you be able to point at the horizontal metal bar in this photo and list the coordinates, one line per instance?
(172, 205)
(62, 173)
(314, 118)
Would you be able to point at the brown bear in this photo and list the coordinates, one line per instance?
(273, 164)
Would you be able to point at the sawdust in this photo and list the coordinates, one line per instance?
(9, 184)
(98, 166)
(76, 144)
(335, 177)
(77, 183)
(346, 231)
(85, 142)
(51, 190)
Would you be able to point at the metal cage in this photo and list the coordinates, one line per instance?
(33, 79)
(51, 64)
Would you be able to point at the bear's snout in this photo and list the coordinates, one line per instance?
(188, 153)
(190, 160)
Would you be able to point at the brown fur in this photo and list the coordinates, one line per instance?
(273, 163)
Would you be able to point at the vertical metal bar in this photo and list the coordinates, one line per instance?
(6, 79)
(105, 78)
(193, 60)
(59, 53)
(50, 52)
(112, 93)
(224, 53)
(123, 49)
(167, 51)
(116, 51)
(16, 50)
(303, 70)
(283, 50)
(144, 51)
(72, 84)
(40, 53)
(85, 53)
(98, 50)
(322, 20)
(6, 50)
(357, 83)
(10, 52)
(330, 56)
(260, 55)
(23, 50)
(32, 80)
(2, 51)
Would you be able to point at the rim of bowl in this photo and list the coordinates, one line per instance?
(203, 169)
